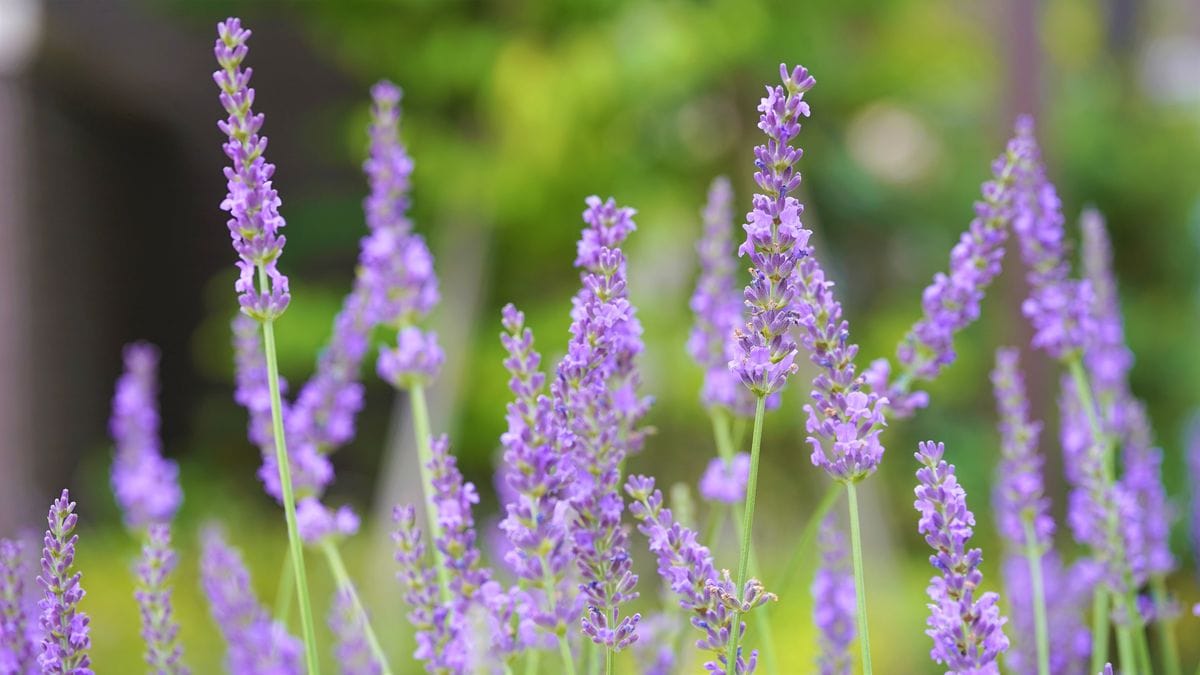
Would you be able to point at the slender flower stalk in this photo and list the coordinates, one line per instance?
(17, 650)
(253, 206)
(254, 642)
(967, 631)
(65, 640)
(952, 301)
(686, 566)
(834, 602)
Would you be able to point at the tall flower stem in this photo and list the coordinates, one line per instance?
(760, 411)
(1099, 629)
(286, 590)
(1034, 555)
(1167, 644)
(859, 586)
(532, 662)
(334, 557)
(295, 547)
(424, 438)
(565, 650)
(1125, 651)
(725, 449)
(807, 535)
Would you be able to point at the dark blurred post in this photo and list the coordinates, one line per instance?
(19, 27)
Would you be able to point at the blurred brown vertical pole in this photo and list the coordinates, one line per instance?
(20, 26)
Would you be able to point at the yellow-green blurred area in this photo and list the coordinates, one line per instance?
(514, 112)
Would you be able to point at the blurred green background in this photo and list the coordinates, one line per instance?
(514, 112)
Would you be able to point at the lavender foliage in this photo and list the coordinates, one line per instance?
(159, 628)
(65, 638)
(252, 202)
(254, 643)
(686, 566)
(17, 649)
(146, 485)
(967, 631)
(717, 304)
(1019, 495)
(952, 301)
(834, 608)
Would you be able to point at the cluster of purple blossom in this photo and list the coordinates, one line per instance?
(568, 576)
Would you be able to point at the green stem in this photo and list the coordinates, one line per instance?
(1125, 652)
(1099, 630)
(289, 499)
(860, 589)
(1167, 644)
(347, 586)
(424, 438)
(760, 409)
(1034, 555)
(804, 544)
(286, 590)
(725, 449)
(565, 650)
(532, 661)
(608, 661)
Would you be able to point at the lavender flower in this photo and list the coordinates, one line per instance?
(536, 520)
(510, 621)
(16, 646)
(1192, 441)
(595, 395)
(254, 642)
(453, 500)
(1108, 358)
(686, 566)
(145, 484)
(252, 203)
(316, 522)
(776, 241)
(1019, 492)
(430, 618)
(159, 629)
(65, 629)
(834, 602)
(967, 632)
(1072, 588)
(353, 653)
(951, 302)
(1147, 541)
(717, 304)
(725, 482)
(1057, 307)
(415, 359)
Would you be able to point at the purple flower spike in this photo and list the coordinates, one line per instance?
(1019, 492)
(951, 302)
(252, 203)
(1193, 463)
(834, 602)
(432, 620)
(536, 515)
(776, 241)
(686, 567)
(65, 638)
(353, 653)
(1057, 307)
(967, 631)
(415, 359)
(145, 484)
(317, 522)
(17, 648)
(159, 629)
(254, 643)
(717, 303)
(453, 499)
(725, 482)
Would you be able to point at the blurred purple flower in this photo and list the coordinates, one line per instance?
(354, 656)
(1019, 491)
(967, 632)
(834, 602)
(415, 358)
(146, 485)
(317, 522)
(65, 638)
(429, 617)
(18, 623)
(725, 482)
(255, 644)
(160, 631)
